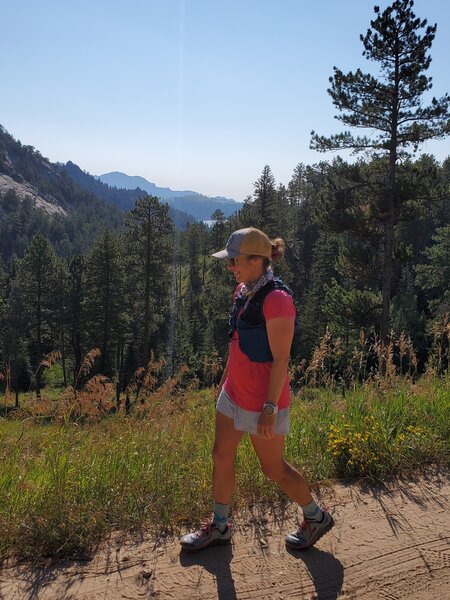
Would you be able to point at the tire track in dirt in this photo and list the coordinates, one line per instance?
(389, 543)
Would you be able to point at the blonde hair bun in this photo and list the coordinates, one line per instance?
(278, 248)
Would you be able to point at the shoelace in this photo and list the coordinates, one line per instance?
(304, 526)
(205, 527)
(305, 523)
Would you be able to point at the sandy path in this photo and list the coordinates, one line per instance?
(385, 545)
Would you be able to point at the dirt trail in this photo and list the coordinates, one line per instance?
(385, 545)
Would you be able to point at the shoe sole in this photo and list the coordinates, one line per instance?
(321, 534)
(213, 543)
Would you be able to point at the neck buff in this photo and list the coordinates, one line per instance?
(248, 290)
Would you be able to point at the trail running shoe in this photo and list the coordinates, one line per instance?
(309, 532)
(207, 535)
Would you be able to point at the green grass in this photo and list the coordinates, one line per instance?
(64, 486)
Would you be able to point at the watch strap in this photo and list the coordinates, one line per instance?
(269, 408)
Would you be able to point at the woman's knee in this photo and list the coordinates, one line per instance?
(275, 471)
(222, 455)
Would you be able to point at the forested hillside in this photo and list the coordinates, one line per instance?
(367, 251)
(152, 291)
(37, 196)
(66, 205)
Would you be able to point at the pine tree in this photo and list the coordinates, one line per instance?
(434, 277)
(282, 213)
(425, 206)
(104, 297)
(196, 247)
(218, 231)
(3, 309)
(3, 290)
(218, 299)
(347, 310)
(265, 203)
(405, 315)
(390, 107)
(60, 309)
(15, 351)
(313, 321)
(302, 232)
(76, 293)
(149, 257)
(36, 279)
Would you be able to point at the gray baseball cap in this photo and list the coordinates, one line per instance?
(250, 241)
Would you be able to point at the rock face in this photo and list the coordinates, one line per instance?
(38, 196)
(24, 171)
(25, 190)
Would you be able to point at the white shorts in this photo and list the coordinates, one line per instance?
(247, 420)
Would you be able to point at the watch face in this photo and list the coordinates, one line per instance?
(269, 409)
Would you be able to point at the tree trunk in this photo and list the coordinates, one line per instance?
(63, 357)
(39, 344)
(119, 366)
(388, 259)
(146, 356)
(204, 265)
(77, 355)
(105, 341)
(387, 275)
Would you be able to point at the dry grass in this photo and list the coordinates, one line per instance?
(333, 364)
(76, 466)
(64, 482)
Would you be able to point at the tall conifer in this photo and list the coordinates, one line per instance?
(104, 299)
(390, 108)
(265, 203)
(36, 278)
(149, 257)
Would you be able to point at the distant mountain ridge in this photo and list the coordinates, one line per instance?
(193, 203)
(131, 182)
(121, 198)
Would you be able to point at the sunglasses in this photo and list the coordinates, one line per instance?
(232, 262)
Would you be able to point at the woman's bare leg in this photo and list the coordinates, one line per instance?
(225, 445)
(274, 466)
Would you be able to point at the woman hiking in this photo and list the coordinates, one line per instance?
(254, 390)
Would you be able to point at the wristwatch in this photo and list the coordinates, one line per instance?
(270, 409)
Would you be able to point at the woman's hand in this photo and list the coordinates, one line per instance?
(266, 426)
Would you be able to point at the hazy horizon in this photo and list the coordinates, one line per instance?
(191, 95)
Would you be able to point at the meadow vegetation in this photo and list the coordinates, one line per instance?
(76, 466)
(106, 441)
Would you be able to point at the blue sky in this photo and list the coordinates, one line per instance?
(190, 94)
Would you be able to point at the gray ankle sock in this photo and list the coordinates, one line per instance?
(220, 515)
(312, 511)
